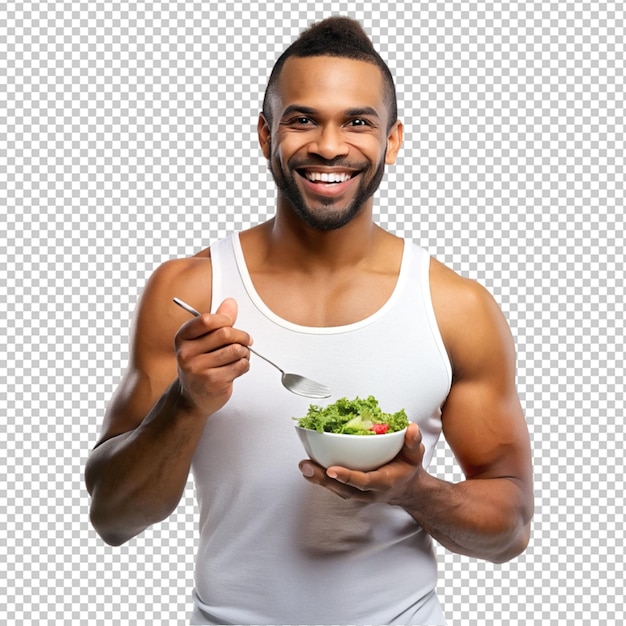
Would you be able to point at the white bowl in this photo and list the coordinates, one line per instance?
(357, 452)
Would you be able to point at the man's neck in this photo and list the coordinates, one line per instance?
(291, 241)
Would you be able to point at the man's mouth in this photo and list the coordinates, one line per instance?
(328, 177)
(317, 177)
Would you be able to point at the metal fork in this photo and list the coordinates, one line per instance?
(295, 383)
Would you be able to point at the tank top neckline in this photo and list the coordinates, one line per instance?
(319, 330)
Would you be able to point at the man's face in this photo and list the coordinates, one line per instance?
(329, 140)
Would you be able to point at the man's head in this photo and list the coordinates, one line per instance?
(329, 124)
(334, 37)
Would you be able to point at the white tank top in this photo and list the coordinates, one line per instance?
(273, 548)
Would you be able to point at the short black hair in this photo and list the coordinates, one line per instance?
(335, 37)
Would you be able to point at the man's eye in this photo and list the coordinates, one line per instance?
(359, 122)
(297, 121)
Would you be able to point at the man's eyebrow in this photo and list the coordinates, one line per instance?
(355, 112)
(362, 112)
(297, 108)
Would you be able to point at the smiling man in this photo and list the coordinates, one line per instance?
(331, 295)
(329, 151)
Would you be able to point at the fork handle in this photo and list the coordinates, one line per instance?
(265, 359)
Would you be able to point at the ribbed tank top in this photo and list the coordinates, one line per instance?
(273, 548)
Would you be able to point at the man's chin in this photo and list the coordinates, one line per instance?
(327, 218)
(325, 214)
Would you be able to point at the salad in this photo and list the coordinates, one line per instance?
(353, 417)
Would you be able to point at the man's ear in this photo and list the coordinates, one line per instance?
(394, 142)
(265, 136)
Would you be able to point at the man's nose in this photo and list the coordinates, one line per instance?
(329, 143)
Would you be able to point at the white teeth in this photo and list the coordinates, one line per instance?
(328, 178)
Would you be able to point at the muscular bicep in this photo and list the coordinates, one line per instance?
(486, 431)
(483, 421)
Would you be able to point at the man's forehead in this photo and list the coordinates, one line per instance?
(323, 78)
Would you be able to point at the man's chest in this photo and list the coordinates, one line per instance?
(332, 300)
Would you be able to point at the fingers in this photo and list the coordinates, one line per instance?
(231, 358)
(317, 475)
(413, 449)
(229, 309)
(383, 484)
(224, 317)
(211, 354)
(216, 330)
(209, 333)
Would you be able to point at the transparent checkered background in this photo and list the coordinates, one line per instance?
(127, 137)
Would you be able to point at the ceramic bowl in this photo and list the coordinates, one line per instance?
(356, 452)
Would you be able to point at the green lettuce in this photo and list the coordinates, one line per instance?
(352, 417)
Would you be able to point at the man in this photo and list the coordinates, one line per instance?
(329, 294)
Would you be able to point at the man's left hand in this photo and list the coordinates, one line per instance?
(392, 483)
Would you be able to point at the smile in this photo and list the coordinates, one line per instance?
(328, 177)
(328, 184)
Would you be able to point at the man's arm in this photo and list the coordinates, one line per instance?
(180, 371)
(484, 425)
(488, 514)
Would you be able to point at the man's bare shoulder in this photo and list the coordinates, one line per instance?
(187, 278)
(453, 291)
(179, 267)
(470, 320)
(157, 317)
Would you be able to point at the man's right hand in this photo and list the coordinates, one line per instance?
(210, 355)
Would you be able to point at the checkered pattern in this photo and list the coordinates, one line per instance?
(127, 137)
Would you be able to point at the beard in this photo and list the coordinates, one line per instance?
(328, 216)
